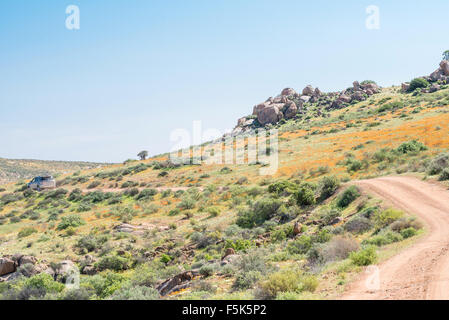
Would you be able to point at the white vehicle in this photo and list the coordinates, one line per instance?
(41, 183)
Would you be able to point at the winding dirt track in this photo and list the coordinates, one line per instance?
(422, 270)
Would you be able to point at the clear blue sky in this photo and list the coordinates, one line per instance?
(136, 70)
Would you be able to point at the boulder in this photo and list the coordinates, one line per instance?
(317, 92)
(297, 228)
(260, 106)
(65, 268)
(291, 110)
(356, 86)
(337, 104)
(444, 65)
(405, 87)
(270, 114)
(308, 91)
(182, 279)
(27, 259)
(358, 96)
(345, 98)
(241, 121)
(437, 75)
(371, 86)
(7, 266)
(288, 92)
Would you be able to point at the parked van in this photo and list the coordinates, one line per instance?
(41, 183)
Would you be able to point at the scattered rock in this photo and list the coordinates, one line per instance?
(229, 251)
(89, 270)
(7, 266)
(405, 87)
(173, 284)
(297, 228)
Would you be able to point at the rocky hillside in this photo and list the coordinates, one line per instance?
(294, 105)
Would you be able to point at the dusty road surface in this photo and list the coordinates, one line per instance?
(422, 270)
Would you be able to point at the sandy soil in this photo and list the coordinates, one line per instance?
(422, 270)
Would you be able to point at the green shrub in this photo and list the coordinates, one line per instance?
(329, 215)
(91, 242)
(358, 224)
(129, 292)
(413, 146)
(418, 83)
(384, 238)
(282, 187)
(104, 284)
(328, 186)
(262, 210)
(207, 270)
(348, 196)
(364, 257)
(386, 217)
(300, 245)
(113, 262)
(246, 280)
(71, 221)
(408, 233)
(286, 281)
(305, 195)
(26, 232)
(439, 163)
(239, 244)
(444, 175)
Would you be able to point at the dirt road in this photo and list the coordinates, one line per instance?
(422, 270)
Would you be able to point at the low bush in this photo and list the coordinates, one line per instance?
(358, 224)
(113, 262)
(71, 221)
(305, 195)
(26, 232)
(386, 217)
(300, 245)
(413, 146)
(328, 186)
(348, 196)
(364, 257)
